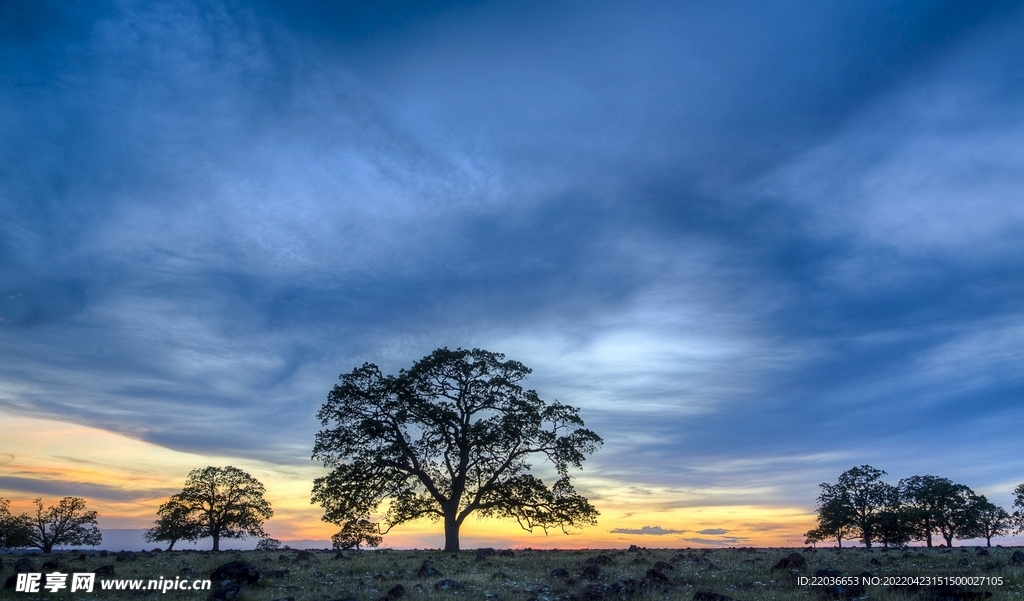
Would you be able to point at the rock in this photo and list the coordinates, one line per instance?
(24, 566)
(600, 560)
(710, 596)
(157, 550)
(592, 572)
(52, 564)
(500, 576)
(793, 560)
(237, 571)
(11, 581)
(482, 554)
(397, 591)
(285, 599)
(963, 562)
(506, 553)
(559, 574)
(633, 548)
(657, 577)
(124, 556)
(875, 562)
(827, 572)
(448, 585)
(981, 551)
(189, 572)
(428, 571)
(277, 573)
(1017, 557)
(664, 566)
(628, 586)
(103, 553)
(226, 591)
(304, 556)
(340, 555)
(105, 571)
(1, 564)
(283, 557)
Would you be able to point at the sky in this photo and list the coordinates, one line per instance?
(756, 244)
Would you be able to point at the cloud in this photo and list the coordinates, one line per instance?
(647, 530)
(713, 531)
(724, 541)
(68, 488)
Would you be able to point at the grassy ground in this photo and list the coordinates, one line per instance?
(741, 574)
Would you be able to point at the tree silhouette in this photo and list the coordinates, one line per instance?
(1018, 508)
(988, 520)
(835, 516)
(355, 533)
(226, 502)
(446, 438)
(66, 524)
(858, 500)
(176, 521)
(15, 530)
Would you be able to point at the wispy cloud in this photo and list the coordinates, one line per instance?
(647, 530)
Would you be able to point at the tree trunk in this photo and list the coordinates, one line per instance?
(988, 541)
(949, 540)
(216, 542)
(451, 533)
(170, 547)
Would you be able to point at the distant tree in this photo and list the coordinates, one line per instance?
(176, 521)
(894, 524)
(936, 505)
(1018, 508)
(15, 530)
(268, 544)
(835, 516)
(865, 496)
(66, 524)
(450, 437)
(987, 520)
(356, 532)
(953, 517)
(226, 502)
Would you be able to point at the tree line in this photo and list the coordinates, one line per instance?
(453, 435)
(860, 506)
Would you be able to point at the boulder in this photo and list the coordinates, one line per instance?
(827, 572)
(601, 560)
(105, 571)
(664, 566)
(710, 596)
(304, 556)
(793, 560)
(448, 585)
(657, 577)
(592, 572)
(237, 571)
(506, 553)
(124, 556)
(397, 591)
(482, 554)
(1017, 558)
(559, 574)
(428, 571)
(24, 566)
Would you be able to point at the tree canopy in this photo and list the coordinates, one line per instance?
(225, 502)
(450, 436)
(66, 524)
(357, 532)
(15, 530)
(175, 521)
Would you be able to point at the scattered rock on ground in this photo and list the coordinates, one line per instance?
(428, 571)
(559, 574)
(237, 571)
(448, 585)
(710, 596)
(397, 591)
(793, 560)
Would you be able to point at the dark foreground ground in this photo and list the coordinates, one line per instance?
(581, 575)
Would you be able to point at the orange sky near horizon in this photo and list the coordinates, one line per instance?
(126, 479)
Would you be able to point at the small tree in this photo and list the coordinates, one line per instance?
(989, 520)
(866, 496)
(225, 501)
(451, 436)
(176, 521)
(356, 532)
(835, 516)
(15, 530)
(268, 544)
(66, 524)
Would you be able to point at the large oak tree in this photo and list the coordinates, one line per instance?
(226, 502)
(451, 436)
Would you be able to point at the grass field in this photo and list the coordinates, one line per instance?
(589, 575)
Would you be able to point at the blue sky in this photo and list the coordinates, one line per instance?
(756, 243)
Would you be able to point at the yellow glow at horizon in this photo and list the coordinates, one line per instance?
(49, 449)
